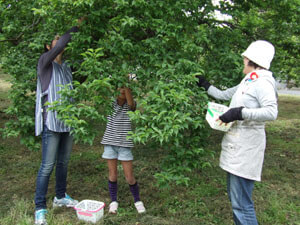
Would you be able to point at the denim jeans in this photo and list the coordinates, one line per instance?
(240, 195)
(56, 149)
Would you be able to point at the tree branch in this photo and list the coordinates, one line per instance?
(210, 21)
(16, 40)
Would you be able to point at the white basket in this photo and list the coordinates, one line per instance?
(214, 110)
(89, 210)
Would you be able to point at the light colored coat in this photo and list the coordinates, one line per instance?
(243, 146)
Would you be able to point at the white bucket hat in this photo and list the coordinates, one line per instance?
(260, 52)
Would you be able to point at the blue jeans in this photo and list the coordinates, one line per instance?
(56, 149)
(240, 195)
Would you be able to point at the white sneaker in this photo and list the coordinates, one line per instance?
(66, 201)
(113, 207)
(140, 207)
(40, 217)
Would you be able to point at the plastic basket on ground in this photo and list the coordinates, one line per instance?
(90, 210)
(214, 110)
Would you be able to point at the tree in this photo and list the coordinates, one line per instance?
(164, 43)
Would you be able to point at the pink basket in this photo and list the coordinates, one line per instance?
(90, 210)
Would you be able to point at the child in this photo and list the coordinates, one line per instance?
(118, 147)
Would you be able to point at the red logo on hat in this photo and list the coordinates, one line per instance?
(253, 76)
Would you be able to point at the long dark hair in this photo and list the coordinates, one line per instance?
(45, 46)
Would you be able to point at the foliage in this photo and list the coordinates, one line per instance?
(165, 43)
(86, 109)
(206, 202)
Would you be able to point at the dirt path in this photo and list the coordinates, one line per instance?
(293, 91)
(4, 84)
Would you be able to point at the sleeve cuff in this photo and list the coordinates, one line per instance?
(245, 113)
(74, 29)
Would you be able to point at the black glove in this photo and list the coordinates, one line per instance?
(232, 115)
(202, 82)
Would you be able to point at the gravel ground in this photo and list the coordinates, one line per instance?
(282, 89)
(289, 91)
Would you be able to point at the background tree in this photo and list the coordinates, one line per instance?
(165, 43)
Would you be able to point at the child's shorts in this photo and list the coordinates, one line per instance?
(117, 152)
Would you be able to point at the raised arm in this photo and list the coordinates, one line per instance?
(220, 94)
(47, 58)
(215, 92)
(130, 101)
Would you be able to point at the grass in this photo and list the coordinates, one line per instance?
(203, 202)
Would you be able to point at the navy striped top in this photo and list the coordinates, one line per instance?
(117, 127)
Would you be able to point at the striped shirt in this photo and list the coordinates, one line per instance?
(117, 127)
(50, 76)
(61, 76)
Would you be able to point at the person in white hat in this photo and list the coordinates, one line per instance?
(253, 102)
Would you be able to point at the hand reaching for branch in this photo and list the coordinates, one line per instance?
(80, 20)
